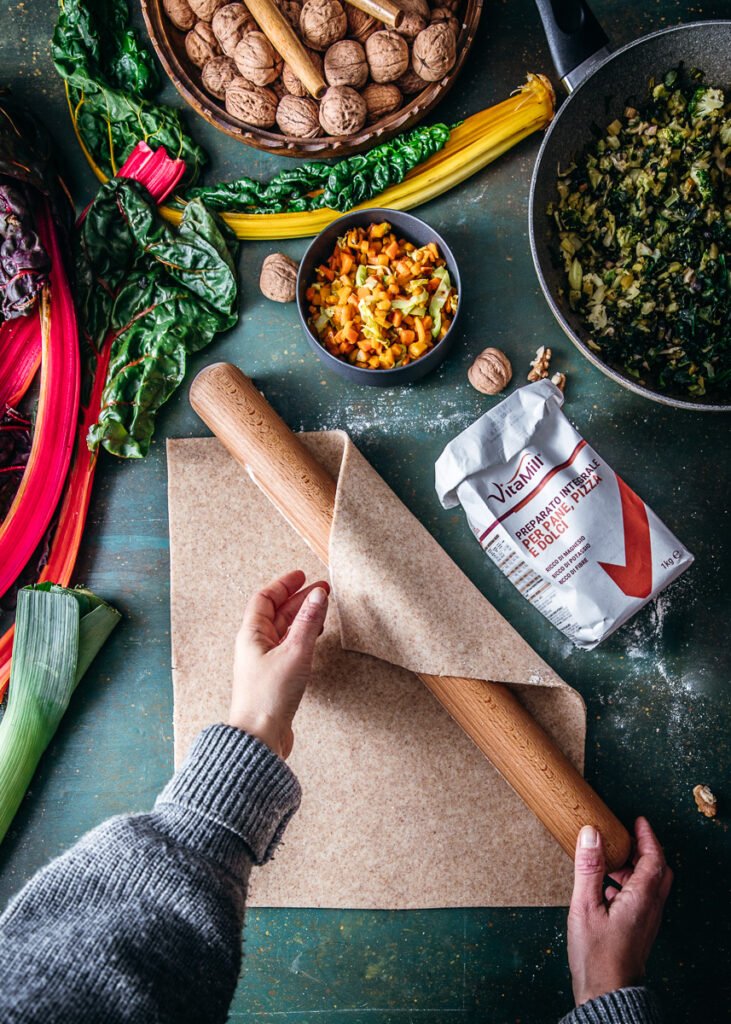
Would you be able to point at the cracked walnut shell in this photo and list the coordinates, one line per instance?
(540, 365)
(251, 104)
(342, 111)
(435, 51)
(491, 372)
(388, 56)
(381, 100)
(201, 44)
(257, 60)
(298, 116)
(345, 64)
(217, 74)
(278, 277)
(180, 13)
(230, 24)
(705, 801)
(322, 23)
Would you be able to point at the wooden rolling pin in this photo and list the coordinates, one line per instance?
(489, 713)
(283, 38)
(384, 10)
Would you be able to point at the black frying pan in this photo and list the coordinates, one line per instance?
(601, 85)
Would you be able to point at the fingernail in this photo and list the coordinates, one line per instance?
(318, 596)
(589, 838)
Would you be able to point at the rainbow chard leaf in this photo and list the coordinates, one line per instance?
(111, 76)
(161, 295)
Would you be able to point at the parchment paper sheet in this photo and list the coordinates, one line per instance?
(400, 809)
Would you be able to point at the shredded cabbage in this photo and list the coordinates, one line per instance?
(438, 299)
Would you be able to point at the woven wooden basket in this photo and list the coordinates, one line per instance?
(185, 76)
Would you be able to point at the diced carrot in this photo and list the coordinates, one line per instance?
(397, 317)
(392, 250)
(417, 349)
(420, 332)
(346, 262)
(406, 336)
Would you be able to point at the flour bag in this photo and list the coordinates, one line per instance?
(564, 528)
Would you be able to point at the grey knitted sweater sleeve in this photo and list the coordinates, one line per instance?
(141, 920)
(634, 1005)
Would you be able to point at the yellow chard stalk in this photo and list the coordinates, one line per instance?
(474, 144)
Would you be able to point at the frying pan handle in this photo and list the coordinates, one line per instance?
(574, 38)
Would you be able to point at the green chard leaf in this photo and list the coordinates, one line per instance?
(162, 294)
(110, 77)
(339, 186)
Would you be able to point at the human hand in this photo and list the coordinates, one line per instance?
(611, 931)
(273, 658)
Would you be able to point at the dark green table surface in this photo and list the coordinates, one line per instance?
(657, 692)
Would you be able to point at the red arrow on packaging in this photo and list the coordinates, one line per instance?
(634, 578)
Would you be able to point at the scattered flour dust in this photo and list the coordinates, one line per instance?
(662, 687)
(386, 411)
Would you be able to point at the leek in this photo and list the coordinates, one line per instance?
(58, 632)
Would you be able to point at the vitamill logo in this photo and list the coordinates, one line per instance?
(528, 466)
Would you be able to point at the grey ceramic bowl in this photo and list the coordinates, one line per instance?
(320, 249)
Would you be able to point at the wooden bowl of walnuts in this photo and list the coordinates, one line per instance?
(380, 81)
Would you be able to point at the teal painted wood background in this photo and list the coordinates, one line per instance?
(657, 692)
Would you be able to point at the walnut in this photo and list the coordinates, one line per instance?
(180, 13)
(491, 372)
(346, 64)
(435, 51)
(416, 17)
(200, 44)
(217, 74)
(705, 801)
(360, 24)
(278, 277)
(205, 9)
(298, 116)
(342, 110)
(559, 379)
(291, 9)
(388, 55)
(410, 83)
(322, 23)
(251, 104)
(412, 24)
(381, 100)
(539, 366)
(256, 59)
(229, 25)
(292, 83)
(420, 7)
(443, 14)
